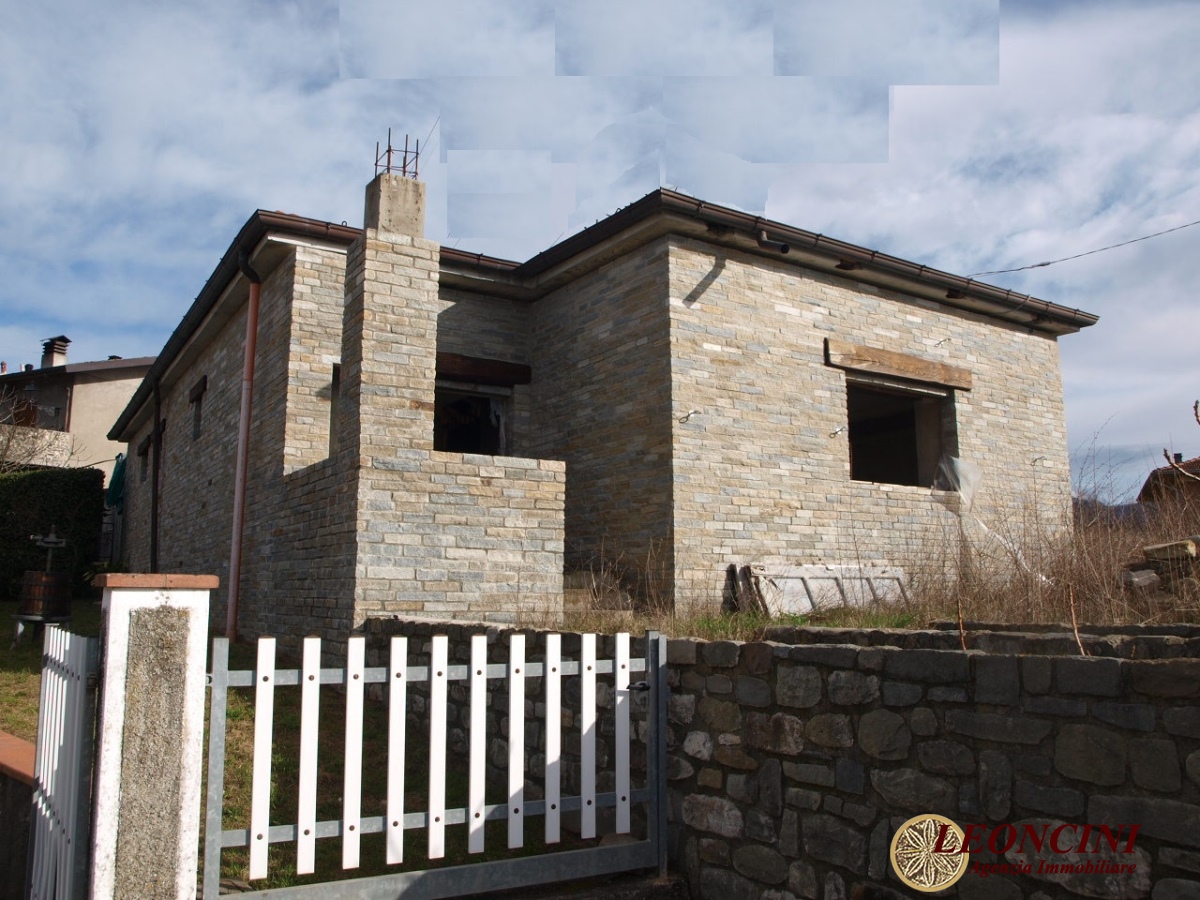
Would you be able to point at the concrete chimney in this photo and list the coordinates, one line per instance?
(1178, 457)
(395, 204)
(54, 351)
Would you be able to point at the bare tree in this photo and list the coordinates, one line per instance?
(1171, 460)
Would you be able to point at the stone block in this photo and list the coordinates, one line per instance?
(1175, 889)
(761, 863)
(802, 799)
(1154, 764)
(1187, 860)
(928, 666)
(713, 850)
(721, 654)
(1177, 678)
(802, 881)
(899, 693)
(779, 733)
(829, 839)
(994, 727)
(715, 815)
(757, 658)
(753, 691)
(698, 744)
(1168, 820)
(809, 773)
(832, 655)
(770, 787)
(945, 758)
(725, 884)
(681, 652)
(910, 789)
(1037, 798)
(798, 686)
(995, 784)
(849, 776)
(997, 681)
(1036, 674)
(830, 730)
(884, 735)
(1183, 721)
(850, 688)
(923, 721)
(1059, 707)
(1089, 753)
(943, 694)
(835, 886)
(1134, 716)
(720, 715)
(1094, 676)
(718, 684)
(761, 827)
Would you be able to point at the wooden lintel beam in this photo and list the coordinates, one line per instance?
(476, 370)
(858, 358)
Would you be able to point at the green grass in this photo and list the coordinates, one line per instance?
(21, 669)
(285, 783)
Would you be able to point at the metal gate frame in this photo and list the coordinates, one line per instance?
(453, 881)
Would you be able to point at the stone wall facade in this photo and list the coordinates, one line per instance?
(349, 510)
(680, 396)
(761, 468)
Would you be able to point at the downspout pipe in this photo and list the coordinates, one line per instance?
(156, 447)
(243, 447)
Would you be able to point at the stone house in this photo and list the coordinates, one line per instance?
(679, 387)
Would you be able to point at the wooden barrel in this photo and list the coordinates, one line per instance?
(45, 594)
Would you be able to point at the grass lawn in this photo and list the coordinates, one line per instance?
(21, 669)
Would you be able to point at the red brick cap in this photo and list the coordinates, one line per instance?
(160, 582)
(16, 758)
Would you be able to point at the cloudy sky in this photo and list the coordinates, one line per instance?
(971, 135)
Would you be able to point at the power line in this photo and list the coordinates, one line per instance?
(1089, 253)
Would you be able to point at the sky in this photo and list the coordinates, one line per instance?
(969, 135)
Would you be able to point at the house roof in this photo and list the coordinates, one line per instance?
(658, 213)
(1164, 475)
(103, 365)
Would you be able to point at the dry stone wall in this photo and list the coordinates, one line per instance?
(793, 765)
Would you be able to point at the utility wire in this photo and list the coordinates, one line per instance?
(1089, 253)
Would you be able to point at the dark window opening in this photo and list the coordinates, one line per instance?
(196, 398)
(897, 435)
(468, 423)
(335, 390)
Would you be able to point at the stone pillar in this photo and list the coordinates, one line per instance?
(389, 326)
(146, 819)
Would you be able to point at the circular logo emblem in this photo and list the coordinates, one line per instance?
(920, 862)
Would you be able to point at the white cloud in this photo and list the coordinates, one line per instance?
(139, 137)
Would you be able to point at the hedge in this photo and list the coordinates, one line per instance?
(70, 500)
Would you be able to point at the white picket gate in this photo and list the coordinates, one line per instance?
(60, 822)
(439, 675)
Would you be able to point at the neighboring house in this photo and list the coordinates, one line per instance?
(676, 388)
(1165, 483)
(68, 408)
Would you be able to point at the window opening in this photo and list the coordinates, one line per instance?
(465, 422)
(335, 390)
(196, 399)
(898, 431)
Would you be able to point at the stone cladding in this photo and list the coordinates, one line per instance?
(761, 459)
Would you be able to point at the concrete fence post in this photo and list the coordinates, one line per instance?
(146, 821)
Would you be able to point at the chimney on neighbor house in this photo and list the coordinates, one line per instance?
(3, 368)
(54, 351)
(1178, 457)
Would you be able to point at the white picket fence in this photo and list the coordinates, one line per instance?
(60, 826)
(552, 668)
